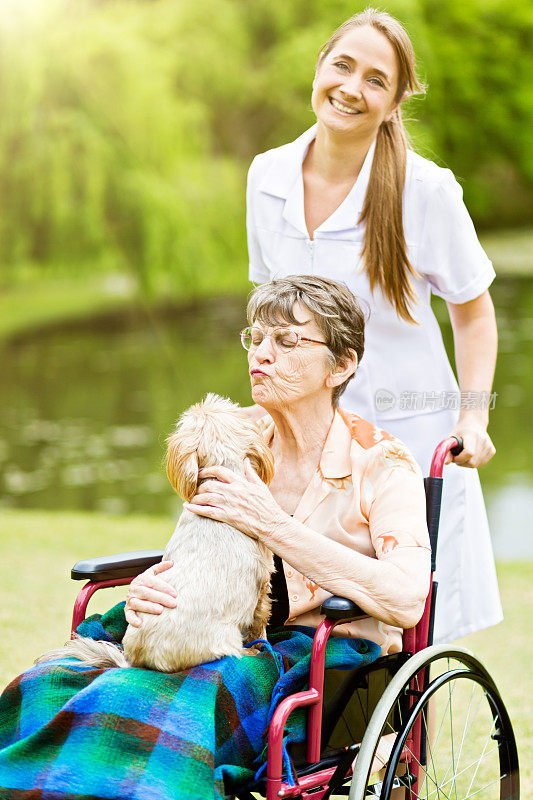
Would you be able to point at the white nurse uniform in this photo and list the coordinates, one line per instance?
(405, 383)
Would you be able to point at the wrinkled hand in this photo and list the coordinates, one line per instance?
(244, 502)
(478, 447)
(149, 593)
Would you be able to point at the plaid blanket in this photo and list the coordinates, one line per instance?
(72, 732)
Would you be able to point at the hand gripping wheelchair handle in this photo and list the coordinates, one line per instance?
(453, 445)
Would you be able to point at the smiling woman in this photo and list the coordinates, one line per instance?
(363, 74)
(349, 200)
(364, 86)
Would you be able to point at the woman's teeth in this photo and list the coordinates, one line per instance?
(340, 107)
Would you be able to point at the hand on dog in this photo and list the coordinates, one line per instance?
(244, 502)
(149, 594)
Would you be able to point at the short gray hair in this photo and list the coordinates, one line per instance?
(333, 306)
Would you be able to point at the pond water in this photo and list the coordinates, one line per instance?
(86, 408)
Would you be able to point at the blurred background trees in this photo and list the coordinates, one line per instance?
(127, 126)
(126, 131)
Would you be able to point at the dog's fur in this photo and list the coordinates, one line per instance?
(221, 576)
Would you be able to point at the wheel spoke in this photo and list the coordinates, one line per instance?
(437, 792)
(440, 785)
(451, 736)
(482, 754)
(451, 762)
(463, 710)
(465, 769)
(465, 729)
(482, 788)
(434, 782)
(433, 749)
(443, 717)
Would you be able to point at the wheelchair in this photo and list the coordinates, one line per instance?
(427, 722)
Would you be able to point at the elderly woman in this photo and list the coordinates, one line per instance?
(344, 514)
(345, 511)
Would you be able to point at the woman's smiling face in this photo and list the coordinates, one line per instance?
(278, 378)
(355, 84)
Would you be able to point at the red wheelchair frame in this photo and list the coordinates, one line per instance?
(121, 569)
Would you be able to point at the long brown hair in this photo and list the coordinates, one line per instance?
(384, 248)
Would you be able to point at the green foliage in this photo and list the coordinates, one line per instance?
(478, 112)
(103, 155)
(127, 126)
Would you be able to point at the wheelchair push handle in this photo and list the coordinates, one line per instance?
(453, 445)
(459, 447)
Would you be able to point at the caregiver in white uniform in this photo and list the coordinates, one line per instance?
(349, 200)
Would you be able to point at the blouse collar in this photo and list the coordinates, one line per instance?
(284, 180)
(335, 459)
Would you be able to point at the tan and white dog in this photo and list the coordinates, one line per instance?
(221, 576)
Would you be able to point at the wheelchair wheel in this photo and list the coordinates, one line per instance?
(440, 731)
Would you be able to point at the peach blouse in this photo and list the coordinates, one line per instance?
(368, 494)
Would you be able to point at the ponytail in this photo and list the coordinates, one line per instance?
(384, 248)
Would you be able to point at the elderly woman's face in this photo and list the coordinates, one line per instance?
(280, 378)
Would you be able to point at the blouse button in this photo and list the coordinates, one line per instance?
(289, 573)
(295, 597)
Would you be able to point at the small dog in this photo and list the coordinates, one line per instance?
(221, 576)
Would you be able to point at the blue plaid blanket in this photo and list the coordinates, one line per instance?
(72, 732)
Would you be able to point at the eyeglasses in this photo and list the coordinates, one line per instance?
(284, 339)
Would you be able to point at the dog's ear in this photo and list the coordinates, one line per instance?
(182, 465)
(261, 459)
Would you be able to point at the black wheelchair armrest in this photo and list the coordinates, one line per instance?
(341, 608)
(119, 565)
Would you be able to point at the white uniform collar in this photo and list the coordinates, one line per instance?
(284, 180)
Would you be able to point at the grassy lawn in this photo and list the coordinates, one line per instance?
(39, 548)
(40, 302)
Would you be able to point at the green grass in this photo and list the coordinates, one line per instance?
(39, 548)
(40, 302)
(506, 652)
